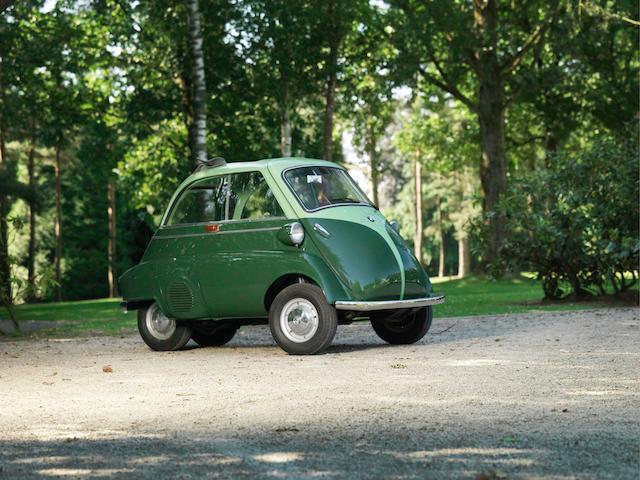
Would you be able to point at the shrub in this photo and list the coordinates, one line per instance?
(576, 223)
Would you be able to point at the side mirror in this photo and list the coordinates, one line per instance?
(395, 225)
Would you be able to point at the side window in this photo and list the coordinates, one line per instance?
(258, 199)
(233, 197)
(202, 202)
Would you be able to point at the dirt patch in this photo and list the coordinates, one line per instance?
(29, 326)
(517, 396)
(630, 298)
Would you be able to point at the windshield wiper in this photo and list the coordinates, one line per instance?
(345, 200)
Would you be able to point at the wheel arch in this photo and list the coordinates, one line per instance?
(283, 282)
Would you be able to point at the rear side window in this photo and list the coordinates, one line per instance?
(240, 196)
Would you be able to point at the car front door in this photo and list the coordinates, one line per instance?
(176, 246)
(235, 259)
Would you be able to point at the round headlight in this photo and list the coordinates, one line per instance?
(296, 233)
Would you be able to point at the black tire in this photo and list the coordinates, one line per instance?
(213, 336)
(404, 330)
(325, 320)
(173, 337)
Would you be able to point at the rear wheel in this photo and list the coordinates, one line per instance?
(213, 335)
(402, 330)
(301, 320)
(160, 332)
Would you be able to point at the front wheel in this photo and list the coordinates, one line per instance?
(301, 320)
(404, 330)
(160, 332)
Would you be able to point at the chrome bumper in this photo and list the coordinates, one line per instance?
(390, 304)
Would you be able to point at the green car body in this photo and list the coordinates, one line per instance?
(233, 268)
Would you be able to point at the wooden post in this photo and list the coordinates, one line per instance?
(441, 234)
(111, 252)
(464, 257)
(57, 229)
(31, 257)
(417, 243)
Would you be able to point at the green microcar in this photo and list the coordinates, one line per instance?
(291, 242)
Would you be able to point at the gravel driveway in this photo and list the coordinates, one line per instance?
(544, 395)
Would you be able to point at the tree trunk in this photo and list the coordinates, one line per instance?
(111, 250)
(441, 248)
(417, 243)
(373, 164)
(5, 268)
(550, 148)
(285, 130)
(491, 112)
(332, 67)
(464, 257)
(31, 256)
(185, 86)
(58, 219)
(199, 97)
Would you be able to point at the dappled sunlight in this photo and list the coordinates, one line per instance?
(479, 362)
(600, 393)
(82, 472)
(464, 448)
(279, 457)
(500, 455)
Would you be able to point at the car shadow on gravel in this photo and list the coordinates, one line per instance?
(290, 453)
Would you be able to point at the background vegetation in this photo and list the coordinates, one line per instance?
(502, 135)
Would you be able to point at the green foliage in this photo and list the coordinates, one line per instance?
(575, 224)
(151, 170)
(109, 84)
(21, 287)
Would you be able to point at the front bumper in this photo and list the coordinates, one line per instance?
(389, 304)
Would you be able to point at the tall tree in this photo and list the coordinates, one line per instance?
(199, 97)
(341, 20)
(440, 135)
(473, 52)
(417, 187)
(280, 41)
(111, 248)
(334, 35)
(368, 103)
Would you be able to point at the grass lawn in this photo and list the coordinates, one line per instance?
(469, 296)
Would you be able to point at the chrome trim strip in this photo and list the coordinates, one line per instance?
(389, 304)
(208, 234)
(221, 222)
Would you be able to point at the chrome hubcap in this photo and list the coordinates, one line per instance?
(158, 324)
(299, 320)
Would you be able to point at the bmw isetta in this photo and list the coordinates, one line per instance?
(291, 242)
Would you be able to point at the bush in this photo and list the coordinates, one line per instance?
(574, 224)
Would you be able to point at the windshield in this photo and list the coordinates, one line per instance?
(319, 187)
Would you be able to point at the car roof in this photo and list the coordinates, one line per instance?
(276, 165)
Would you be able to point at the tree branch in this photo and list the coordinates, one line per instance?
(534, 40)
(445, 85)
(598, 11)
(4, 4)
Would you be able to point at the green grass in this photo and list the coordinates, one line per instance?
(469, 296)
(69, 318)
(483, 296)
